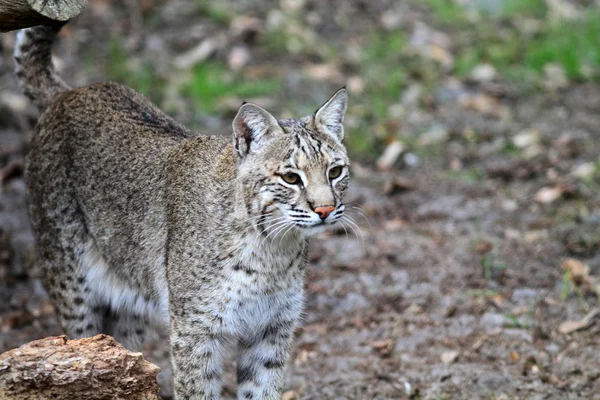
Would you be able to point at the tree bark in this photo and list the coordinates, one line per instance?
(96, 368)
(18, 14)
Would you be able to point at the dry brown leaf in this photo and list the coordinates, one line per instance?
(324, 72)
(396, 185)
(572, 326)
(384, 347)
(579, 271)
(394, 225)
(390, 155)
(547, 195)
(498, 300)
(448, 357)
(291, 395)
(483, 246)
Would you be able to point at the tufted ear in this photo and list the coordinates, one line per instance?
(253, 126)
(330, 116)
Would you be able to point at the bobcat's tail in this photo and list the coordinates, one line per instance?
(33, 59)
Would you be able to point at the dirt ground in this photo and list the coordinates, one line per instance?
(455, 287)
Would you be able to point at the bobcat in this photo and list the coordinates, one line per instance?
(138, 220)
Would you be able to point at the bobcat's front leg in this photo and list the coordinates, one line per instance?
(262, 360)
(196, 352)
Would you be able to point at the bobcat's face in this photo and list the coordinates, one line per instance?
(296, 171)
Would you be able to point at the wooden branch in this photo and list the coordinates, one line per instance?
(94, 368)
(18, 14)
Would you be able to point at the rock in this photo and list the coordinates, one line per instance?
(412, 95)
(411, 160)
(92, 368)
(490, 322)
(351, 303)
(432, 44)
(524, 296)
(563, 10)
(483, 73)
(355, 85)
(391, 19)
(436, 134)
(448, 357)
(585, 171)
(238, 58)
(555, 77)
(547, 195)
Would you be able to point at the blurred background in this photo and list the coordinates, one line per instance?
(473, 128)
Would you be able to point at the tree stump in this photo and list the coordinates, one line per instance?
(18, 14)
(95, 368)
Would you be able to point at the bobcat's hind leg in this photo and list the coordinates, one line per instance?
(79, 312)
(131, 330)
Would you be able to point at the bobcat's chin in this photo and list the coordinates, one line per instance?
(313, 230)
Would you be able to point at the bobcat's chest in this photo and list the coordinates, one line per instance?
(247, 313)
(261, 287)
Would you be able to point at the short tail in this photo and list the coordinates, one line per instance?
(33, 59)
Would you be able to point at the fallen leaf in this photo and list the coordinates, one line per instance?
(199, 53)
(394, 225)
(526, 138)
(238, 58)
(483, 246)
(448, 357)
(324, 72)
(390, 155)
(514, 356)
(396, 185)
(355, 85)
(384, 347)
(579, 271)
(547, 195)
(291, 395)
(572, 326)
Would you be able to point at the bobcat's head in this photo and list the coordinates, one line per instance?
(294, 171)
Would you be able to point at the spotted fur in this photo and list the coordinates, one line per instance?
(139, 221)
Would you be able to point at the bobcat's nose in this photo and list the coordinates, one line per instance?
(324, 211)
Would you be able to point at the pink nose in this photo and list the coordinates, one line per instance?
(324, 211)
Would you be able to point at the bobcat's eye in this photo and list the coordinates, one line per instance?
(291, 178)
(335, 172)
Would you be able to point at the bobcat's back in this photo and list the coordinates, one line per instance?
(97, 163)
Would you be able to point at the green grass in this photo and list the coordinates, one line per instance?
(141, 77)
(447, 11)
(573, 45)
(215, 11)
(212, 82)
(520, 56)
(527, 8)
(489, 265)
(467, 175)
(380, 66)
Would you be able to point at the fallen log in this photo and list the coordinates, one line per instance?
(92, 369)
(18, 14)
